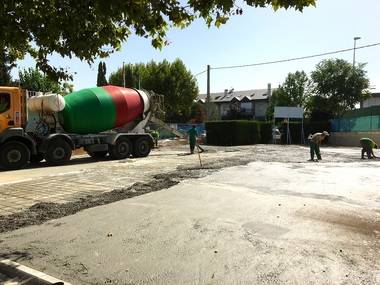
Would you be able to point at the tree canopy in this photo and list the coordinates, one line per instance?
(292, 93)
(90, 29)
(172, 80)
(334, 87)
(6, 66)
(34, 80)
(338, 87)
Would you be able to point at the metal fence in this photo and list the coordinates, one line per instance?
(356, 124)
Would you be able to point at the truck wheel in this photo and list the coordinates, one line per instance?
(141, 147)
(122, 149)
(36, 158)
(97, 154)
(58, 152)
(14, 155)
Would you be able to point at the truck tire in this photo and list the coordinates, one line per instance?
(122, 149)
(36, 158)
(97, 154)
(58, 152)
(14, 155)
(141, 147)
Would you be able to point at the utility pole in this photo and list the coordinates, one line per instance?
(355, 39)
(208, 98)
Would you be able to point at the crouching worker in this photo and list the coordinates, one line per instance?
(367, 147)
(314, 142)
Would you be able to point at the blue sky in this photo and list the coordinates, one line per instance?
(256, 36)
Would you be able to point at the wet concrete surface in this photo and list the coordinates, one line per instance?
(276, 220)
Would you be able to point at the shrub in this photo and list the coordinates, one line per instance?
(228, 133)
(266, 132)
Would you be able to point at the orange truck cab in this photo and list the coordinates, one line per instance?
(12, 113)
(16, 146)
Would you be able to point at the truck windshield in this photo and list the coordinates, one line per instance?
(5, 100)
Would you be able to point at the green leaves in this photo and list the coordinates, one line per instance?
(89, 29)
(340, 84)
(293, 92)
(335, 87)
(173, 80)
(33, 80)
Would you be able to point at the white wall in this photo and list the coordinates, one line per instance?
(375, 101)
(352, 138)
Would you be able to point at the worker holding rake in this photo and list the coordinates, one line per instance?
(193, 134)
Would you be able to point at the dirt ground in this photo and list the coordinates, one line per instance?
(252, 215)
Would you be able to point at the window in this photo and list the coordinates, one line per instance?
(5, 102)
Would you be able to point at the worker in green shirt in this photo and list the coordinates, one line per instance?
(193, 133)
(156, 135)
(367, 147)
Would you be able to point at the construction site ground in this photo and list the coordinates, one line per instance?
(256, 214)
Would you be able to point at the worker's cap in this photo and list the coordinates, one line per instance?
(325, 133)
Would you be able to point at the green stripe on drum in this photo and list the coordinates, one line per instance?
(88, 111)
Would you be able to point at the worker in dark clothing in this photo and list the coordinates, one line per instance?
(314, 142)
(193, 133)
(367, 147)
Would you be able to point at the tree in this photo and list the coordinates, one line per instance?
(91, 29)
(131, 75)
(292, 93)
(101, 81)
(33, 80)
(197, 113)
(338, 87)
(173, 80)
(6, 66)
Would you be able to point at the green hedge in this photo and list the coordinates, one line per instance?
(266, 132)
(237, 132)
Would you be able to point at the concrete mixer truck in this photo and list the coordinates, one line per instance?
(108, 120)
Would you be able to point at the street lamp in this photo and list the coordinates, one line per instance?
(355, 39)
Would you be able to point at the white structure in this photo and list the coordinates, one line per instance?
(289, 113)
(374, 100)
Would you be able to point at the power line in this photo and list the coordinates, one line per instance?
(199, 73)
(291, 59)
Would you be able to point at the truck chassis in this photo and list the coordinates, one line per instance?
(18, 148)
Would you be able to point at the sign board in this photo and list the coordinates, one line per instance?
(288, 112)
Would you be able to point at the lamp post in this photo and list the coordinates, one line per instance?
(355, 39)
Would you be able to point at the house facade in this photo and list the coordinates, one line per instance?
(247, 104)
(374, 100)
